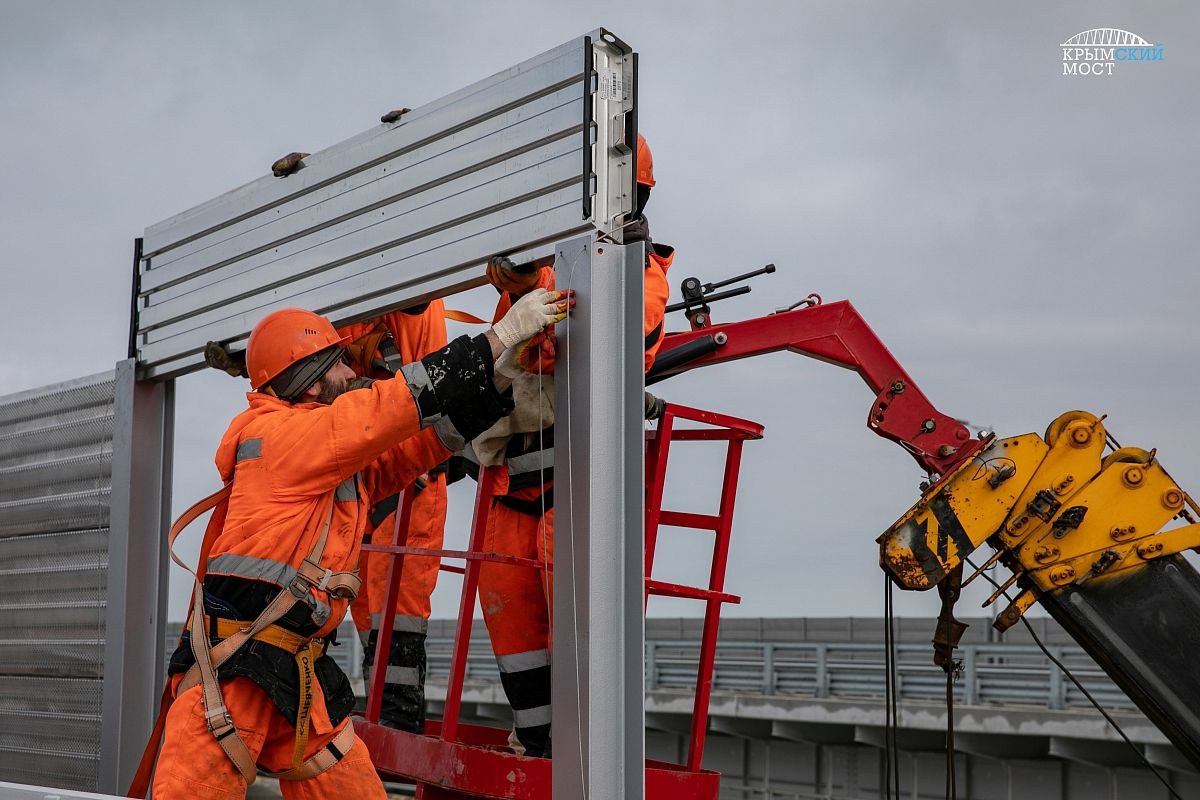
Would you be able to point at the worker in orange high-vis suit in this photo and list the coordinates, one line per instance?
(515, 600)
(378, 350)
(253, 687)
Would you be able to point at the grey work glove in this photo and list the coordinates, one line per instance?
(508, 365)
(654, 406)
(530, 315)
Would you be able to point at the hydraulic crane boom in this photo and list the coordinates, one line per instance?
(835, 333)
(1087, 533)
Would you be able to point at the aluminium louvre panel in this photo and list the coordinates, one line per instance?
(402, 213)
(55, 457)
(55, 481)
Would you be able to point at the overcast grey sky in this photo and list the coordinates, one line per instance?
(1024, 242)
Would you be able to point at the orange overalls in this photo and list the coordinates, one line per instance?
(414, 335)
(292, 468)
(515, 600)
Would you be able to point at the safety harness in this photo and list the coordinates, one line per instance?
(233, 634)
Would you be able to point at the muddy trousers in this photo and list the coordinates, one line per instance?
(192, 765)
(516, 608)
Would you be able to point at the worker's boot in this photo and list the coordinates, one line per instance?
(403, 702)
(526, 681)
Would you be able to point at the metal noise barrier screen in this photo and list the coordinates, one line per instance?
(407, 211)
(55, 482)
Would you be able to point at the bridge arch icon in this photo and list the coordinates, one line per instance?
(1105, 36)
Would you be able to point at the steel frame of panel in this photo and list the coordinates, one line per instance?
(143, 438)
(598, 626)
(402, 213)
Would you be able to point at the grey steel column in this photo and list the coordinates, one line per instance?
(143, 440)
(598, 696)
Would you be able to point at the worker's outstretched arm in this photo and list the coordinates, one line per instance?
(451, 388)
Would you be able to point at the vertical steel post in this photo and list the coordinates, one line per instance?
(143, 441)
(970, 676)
(822, 689)
(1058, 692)
(598, 623)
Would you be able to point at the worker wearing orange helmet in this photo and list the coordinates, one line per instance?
(302, 467)
(378, 349)
(515, 600)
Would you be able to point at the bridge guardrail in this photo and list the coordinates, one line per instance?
(992, 674)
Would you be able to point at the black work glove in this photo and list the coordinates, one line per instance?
(637, 230)
(453, 468)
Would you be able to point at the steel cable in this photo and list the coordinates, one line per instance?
(1107, 717)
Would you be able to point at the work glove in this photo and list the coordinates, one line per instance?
(531, 314)
(537, 355)
(654, 406)
(637, 230)
(509, 364)
(217, 356)
(509, 277)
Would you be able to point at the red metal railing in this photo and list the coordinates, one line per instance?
(456, 760)
(735, 432)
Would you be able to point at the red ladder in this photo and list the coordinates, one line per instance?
(735, 432)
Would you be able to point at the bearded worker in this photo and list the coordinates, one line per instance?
(253, 686)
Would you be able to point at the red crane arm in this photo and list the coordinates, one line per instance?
(836, 333)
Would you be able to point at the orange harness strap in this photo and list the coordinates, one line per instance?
(463, 316)
(140, 784)
(310, 575)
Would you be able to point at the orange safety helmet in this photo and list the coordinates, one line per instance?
(286, 337)
(645, 163)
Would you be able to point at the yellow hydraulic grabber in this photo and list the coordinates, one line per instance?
(1090, 535)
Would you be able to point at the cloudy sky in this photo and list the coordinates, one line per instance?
(1024, 242)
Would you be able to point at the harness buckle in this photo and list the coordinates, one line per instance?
(325, 579)
(221, 714)
(299, 587)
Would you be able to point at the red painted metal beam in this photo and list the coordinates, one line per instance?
(383, 637)
(466, 555)
(686, 519)
(481, 765)
(664, 589)
(837, 333)
(466, 608)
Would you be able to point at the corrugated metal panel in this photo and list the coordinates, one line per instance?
(404, 212)
(55, 481)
